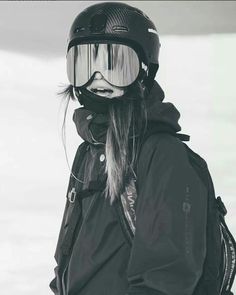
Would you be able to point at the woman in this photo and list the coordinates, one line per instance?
(135, 216)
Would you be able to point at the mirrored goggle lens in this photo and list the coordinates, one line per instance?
(119, 64)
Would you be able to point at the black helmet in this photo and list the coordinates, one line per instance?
(120, 22)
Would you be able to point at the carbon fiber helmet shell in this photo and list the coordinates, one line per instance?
(119, 22)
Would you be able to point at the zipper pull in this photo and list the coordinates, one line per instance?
(72, 195)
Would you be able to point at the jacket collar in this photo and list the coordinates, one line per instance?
(92, 127)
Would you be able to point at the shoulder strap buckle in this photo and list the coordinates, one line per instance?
(72, 195)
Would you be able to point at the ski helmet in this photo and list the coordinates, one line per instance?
(119, 22)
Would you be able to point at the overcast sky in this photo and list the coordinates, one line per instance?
(197, 73)
(41, 27)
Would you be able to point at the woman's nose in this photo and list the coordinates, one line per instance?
(98, 76)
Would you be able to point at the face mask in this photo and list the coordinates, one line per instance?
(93, 102)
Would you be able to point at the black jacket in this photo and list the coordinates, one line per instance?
(168, 228)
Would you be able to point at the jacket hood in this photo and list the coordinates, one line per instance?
(159, 111)
(92, 126)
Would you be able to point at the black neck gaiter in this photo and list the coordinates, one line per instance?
(96, 103)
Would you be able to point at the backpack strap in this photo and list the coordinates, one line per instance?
(72, 191)
(75, 194)
(80, 153)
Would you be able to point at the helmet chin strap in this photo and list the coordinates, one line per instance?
(149, 78)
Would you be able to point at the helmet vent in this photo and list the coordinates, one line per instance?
(79, 29)
(120, 28)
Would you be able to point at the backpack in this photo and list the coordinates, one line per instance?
(219, 266)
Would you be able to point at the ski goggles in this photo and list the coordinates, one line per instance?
(119, 64)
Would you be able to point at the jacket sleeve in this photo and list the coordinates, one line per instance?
(169, 246)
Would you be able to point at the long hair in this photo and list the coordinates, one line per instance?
(127, 124)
